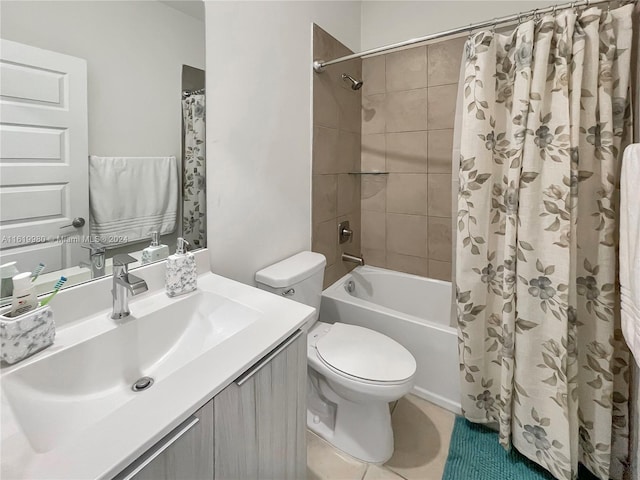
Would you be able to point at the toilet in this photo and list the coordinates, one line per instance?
(354, 372)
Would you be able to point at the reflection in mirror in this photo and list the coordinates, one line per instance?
(102, 135)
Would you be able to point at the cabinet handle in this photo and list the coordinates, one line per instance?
(267, 358)
(166, 443)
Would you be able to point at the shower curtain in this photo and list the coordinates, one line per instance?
(546, 111)
(194, 213)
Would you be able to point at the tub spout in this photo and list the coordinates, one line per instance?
(347, 257)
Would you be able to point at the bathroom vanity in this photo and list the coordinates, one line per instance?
(228, 364)
(252, 429)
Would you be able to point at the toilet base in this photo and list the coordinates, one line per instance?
(362, 430)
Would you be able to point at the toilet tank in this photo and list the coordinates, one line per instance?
(298, 278)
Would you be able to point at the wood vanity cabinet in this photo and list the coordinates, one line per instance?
(260, 419)
(185, 453)
(253, 429)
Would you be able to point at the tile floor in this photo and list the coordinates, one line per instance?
(422, 433)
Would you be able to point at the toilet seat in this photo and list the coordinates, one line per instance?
(365, 355)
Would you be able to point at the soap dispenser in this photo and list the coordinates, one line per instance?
(156, 251)
(181, 271)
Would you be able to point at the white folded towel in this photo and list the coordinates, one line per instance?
(130, 197)
(630, 248)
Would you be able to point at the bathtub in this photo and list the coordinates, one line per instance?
(415, 312)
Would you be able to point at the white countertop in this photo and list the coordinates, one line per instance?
(105, 448)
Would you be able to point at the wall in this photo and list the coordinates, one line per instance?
(134, 78)
(336, 153)
(259, 127)
(385, 22)
(409, 100)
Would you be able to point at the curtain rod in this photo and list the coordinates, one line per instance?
(320, 65)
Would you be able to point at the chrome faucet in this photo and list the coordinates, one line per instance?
(123, 284)
(347, 257)
(96, 259)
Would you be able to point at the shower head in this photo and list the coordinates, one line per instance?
(355, 84)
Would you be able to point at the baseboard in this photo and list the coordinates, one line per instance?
(439, 400)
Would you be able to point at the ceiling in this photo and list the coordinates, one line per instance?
(193, 8)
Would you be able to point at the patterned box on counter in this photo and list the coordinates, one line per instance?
(22, 336)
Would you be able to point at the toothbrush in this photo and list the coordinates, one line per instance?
(56, 287)
(37, 271)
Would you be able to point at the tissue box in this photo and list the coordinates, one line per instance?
(22, 336)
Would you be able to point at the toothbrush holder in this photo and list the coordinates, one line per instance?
(22, 336)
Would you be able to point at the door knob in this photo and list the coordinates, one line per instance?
(77, 222)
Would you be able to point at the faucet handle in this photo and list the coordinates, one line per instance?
(123, 259)
(95, 248)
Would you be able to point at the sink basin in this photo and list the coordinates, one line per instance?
(78, 385)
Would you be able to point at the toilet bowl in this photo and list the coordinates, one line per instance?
(354, 372)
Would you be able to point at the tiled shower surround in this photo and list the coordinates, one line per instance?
(408, 109)
(336, 153)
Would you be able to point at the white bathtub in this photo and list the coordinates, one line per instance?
(414, 311)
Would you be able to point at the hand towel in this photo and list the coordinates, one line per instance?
(630, 248)
(130, 197)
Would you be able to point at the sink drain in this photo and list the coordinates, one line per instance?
(142, 384)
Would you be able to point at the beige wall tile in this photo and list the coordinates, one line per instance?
(325, 240)
(374, 231)
(374, 192)
(324, 198)
(373, 153)
(373, 75)
(406, 110)
(327, 46)
(375, 258)
(325, 150)
(445, 59)
(348, 152)
(325, 105)
(342, 268)
(373, 114)
(406, 69)
(407, 264)
(440, 270)
(349, 105)
(422, 433)
(407, 193)
(407, 234)
(440, 151)
(331, 274)
(439, 195)
(407, 152)
(348, 194)
(439, 238)
(442, 106)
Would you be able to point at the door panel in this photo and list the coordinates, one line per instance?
(43, 156)
(24, 144)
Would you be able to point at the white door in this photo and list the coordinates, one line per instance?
(44, 178)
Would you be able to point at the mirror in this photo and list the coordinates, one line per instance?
(101, 135)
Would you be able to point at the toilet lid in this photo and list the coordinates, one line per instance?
(365, 353)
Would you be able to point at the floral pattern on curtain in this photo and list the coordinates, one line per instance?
(194, 214)
(546, 114)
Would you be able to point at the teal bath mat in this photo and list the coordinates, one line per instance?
(475, 454)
